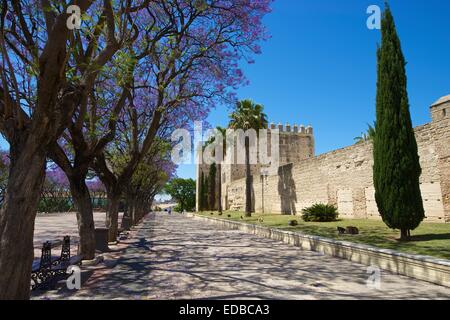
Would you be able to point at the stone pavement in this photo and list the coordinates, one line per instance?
(176, 257)
(54, 226)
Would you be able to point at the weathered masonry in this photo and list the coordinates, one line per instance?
(341, 177)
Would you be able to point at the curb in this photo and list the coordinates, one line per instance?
(419, 267)
(98, 259)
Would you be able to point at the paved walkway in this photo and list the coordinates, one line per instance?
(175, 257)
(54, 226)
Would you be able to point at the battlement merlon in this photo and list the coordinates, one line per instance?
(292, 129)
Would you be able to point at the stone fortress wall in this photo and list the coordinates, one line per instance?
(342, 177)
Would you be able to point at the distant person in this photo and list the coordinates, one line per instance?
(170, 211)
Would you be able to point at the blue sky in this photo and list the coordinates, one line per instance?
(319, 67)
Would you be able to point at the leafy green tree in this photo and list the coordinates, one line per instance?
(396, 169)
(182, 191)
(248, 115)
(148, 180)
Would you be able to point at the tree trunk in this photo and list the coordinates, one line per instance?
(133, 211)
(112, 216)
(26, 177)
(219, 191)
(404, 234)
(85, 217)
(127, 222)
(126, 209)
(137, 211)
(141, 209)
(248, 180)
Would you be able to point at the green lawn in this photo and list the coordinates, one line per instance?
(432, 239)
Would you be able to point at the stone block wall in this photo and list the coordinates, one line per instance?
(344, 177)
(440, 114)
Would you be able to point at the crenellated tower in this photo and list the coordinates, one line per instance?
(296, 143)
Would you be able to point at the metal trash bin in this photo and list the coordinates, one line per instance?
(126, 223)
(101, 239)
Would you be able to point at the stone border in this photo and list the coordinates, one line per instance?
(415, 266)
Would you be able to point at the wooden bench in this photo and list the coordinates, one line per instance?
(49, 270)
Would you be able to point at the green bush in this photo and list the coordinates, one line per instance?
(320, 213)
(55, 205)
(99, 204)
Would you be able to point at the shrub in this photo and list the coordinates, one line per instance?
(99, 204)
(320, 213)
(55, 204)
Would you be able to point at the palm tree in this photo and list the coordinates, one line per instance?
(248, 115)
(362, 138)
(367, 136)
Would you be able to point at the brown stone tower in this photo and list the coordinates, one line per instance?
(296, 143)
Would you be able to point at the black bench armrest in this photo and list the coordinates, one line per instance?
(35, 266)
(75, 260)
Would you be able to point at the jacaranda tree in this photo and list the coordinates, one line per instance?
(48, 78)
(182, 77)
(37, 99)
(93, 127)
(148, 180)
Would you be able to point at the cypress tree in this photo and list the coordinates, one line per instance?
(205, 194)
(202, 192)
(396, 161)
(212, 186)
